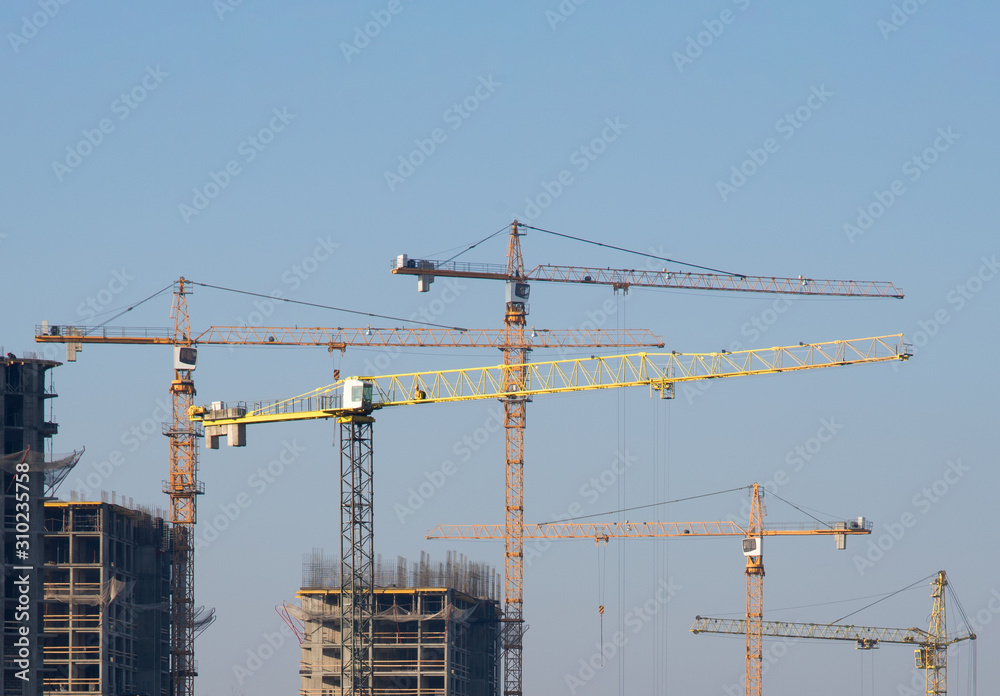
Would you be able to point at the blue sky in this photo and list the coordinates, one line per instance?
(298, 148)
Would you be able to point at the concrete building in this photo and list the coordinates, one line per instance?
(436, 628)
(24, 433)
(107, 600)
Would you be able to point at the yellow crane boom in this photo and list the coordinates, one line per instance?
(658, 371)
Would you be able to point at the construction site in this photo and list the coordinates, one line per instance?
(569, 348)
(111, 585)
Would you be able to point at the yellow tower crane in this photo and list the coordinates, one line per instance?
(183, 485)
(516, 351)
(930, 655)
(352, 401)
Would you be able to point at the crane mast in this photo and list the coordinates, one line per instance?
(753, 550)
(357, 555)
(934, 657)
(515, 356)
(183, 488)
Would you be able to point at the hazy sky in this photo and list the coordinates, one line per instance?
(297, 148)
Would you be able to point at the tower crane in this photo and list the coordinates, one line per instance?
(930, 655)
(352, 401)
(516, 351)
(183, 485)
(753, 537)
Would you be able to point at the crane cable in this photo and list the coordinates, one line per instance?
(661, 564)
(648, 505)
(622, 500)
(891, 594)
(473, 246)
(632, 251)
(873, 671)
(799, 509)
(131, 307)
(973, 663)
(323, 306)
(973, 669)
(602, 570)
(961, 609)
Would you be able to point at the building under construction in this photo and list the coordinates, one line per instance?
(436, 627)
(107, 600)
(27, 475)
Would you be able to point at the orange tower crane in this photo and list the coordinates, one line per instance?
(183, 485)
(516, 351)
(353, 400)
(931, 654)
(753, 536)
